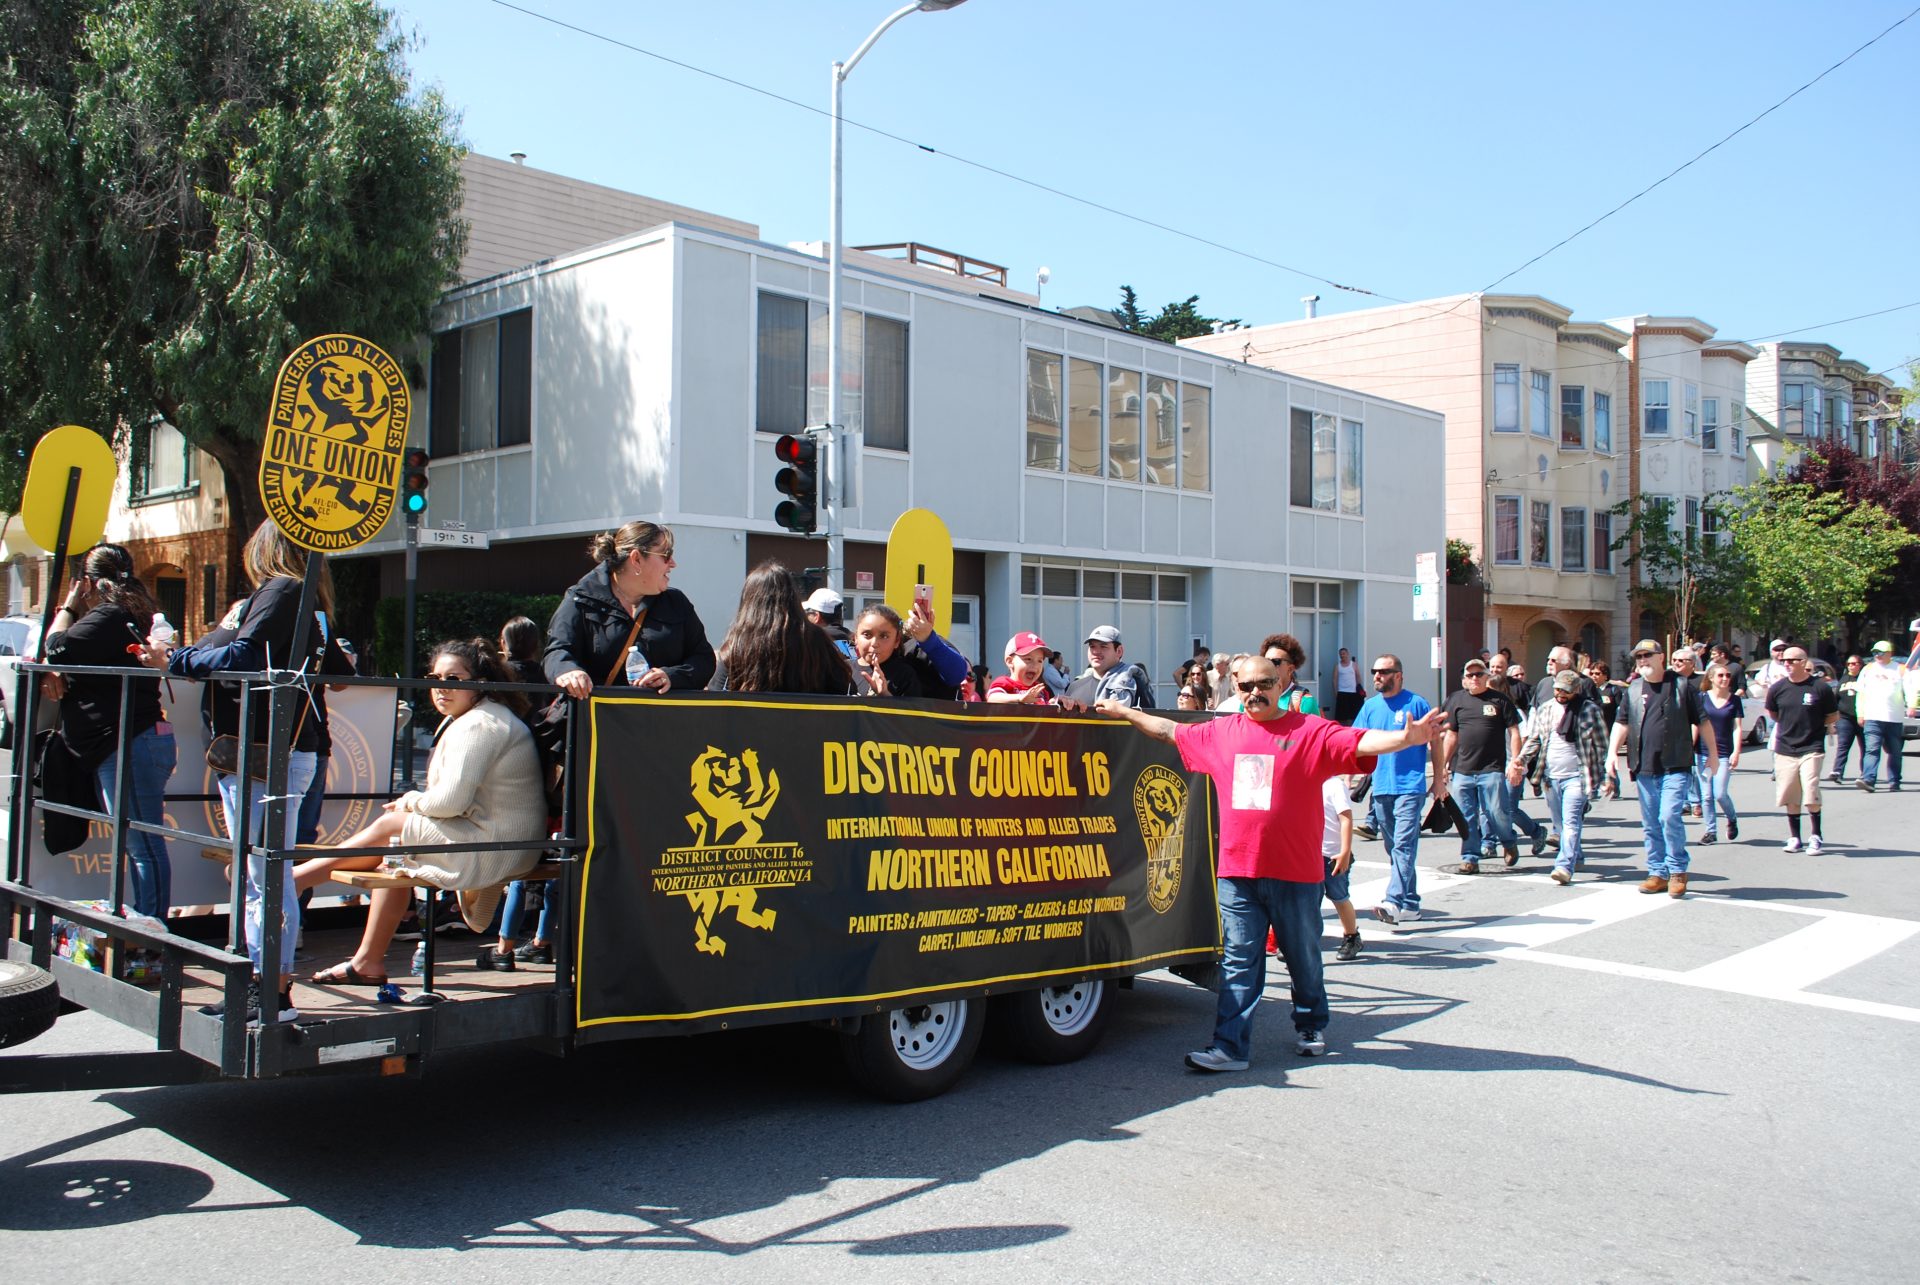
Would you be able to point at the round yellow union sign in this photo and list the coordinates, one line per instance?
(330, 468)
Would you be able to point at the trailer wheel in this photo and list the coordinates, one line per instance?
(29, 1002)
(1055, 1024)
(914, 1053)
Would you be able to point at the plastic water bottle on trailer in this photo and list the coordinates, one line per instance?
(419, 965)
(637, 666)
(161, 634)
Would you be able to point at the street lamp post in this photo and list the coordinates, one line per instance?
(844, 458)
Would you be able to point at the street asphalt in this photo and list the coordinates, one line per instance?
(1534, 1083)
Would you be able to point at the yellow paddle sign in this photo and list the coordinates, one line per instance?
(920, 551)
(336, 431)
(67, 448)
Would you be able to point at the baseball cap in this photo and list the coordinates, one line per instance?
(1648, 646)
(1778, 644)
(1884, 645)
(1105, 634)
(1022, 643)
(1566, 681)
(1475, 666)
(823, 600)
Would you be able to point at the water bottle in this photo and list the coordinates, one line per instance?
(161, 634)
(637, 666)
(419, 965)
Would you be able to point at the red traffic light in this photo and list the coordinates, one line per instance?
(791, 449)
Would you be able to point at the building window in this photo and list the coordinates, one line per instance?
(1710, 527)
(1506, 399)
(1691, 531)
(1573, 539)
(1603, 422)
(1841, 418)
(1573, 418)
(1654, 404)
(1793, 409)
(1542, 407)
(162, 462)
(1737, 431)
(1603, 541)
(1693, 412)
(1160, 430)
(1506, 530)
(1044, 390)
(1324, 457)
(482, 386)
(1084, 418)
(1540, 533)
(791, 370)
(1123, 425)
(1710, 424)
(1196, 437)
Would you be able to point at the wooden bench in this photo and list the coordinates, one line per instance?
(368, 880)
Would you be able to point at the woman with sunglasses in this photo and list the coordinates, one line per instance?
(483, 786)
(1723, 711)
(626, 604)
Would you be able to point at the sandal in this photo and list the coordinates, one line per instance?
(344, 975)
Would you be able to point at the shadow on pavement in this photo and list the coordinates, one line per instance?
(721, 1144)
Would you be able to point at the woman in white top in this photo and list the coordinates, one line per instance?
(1347, 694)
(483, 786)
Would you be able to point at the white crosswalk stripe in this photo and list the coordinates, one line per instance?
(1831, 941)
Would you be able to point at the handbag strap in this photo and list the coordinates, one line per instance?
(620, 657)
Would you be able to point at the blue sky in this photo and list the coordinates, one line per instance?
(1414, 151)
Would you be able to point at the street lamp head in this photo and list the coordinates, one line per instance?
(935, 6)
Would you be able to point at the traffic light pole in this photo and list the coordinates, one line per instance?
(832, 440)
(408, 649)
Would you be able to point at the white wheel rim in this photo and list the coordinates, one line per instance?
(926, 1035)
(1067, 1010)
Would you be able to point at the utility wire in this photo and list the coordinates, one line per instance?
(1703, 153)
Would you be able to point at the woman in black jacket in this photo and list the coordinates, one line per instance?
(106, 614)
(587, 638)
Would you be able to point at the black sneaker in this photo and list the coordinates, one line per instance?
(535, 953)
(1310, 1044)
(499, 961)
(1866, 785)
(1539, 844)
(1733, 829)
(285, 1008)
(1349, 947)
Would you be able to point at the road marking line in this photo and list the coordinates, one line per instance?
(1554, 921)
(1807, 955)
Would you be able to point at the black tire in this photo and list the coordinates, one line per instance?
(910, 1054)
(29, 1002)
(1055, 1024)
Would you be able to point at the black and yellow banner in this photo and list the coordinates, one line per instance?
(778, 859)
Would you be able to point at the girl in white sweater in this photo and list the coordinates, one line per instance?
(483, 786)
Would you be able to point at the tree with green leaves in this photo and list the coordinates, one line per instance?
(191, 188)
(1811, 556)
(1173, 322)
(1688, 579)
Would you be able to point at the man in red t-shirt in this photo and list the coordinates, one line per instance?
(1267, 765)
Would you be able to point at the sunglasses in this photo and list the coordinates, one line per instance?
(1386, 671)
(1258, 684)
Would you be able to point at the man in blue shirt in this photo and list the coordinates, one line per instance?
(1399, 787)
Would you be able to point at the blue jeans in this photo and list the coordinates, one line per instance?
(516, 904)
(1878, 736)
(1719, 802)
(149, 871)
(308, 830)
(1483, 802)
(300, 765)
(1248, 907)
(1397, 819)
(1846, 735)
(1567, 796)
(1663, 801)
(1520, 820)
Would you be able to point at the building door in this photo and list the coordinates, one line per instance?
(170, 591)
(1320, 623)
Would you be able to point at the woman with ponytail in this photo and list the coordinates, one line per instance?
(625, 603)
(105, 621)
(483, 786)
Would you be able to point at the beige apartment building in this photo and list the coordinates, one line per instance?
(1538, 448)
(1810, 393)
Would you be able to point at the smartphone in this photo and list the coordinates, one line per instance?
(923, 600)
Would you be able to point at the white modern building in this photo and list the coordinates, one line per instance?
(1087, 476)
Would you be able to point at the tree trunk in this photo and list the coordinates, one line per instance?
(239, 461)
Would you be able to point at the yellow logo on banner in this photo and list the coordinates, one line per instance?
(727, 865)
(330, 468)
(1160, 805)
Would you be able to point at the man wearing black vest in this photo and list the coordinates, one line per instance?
(1659, 724)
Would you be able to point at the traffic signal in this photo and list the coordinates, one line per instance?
(413, 484)
(799, 480)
